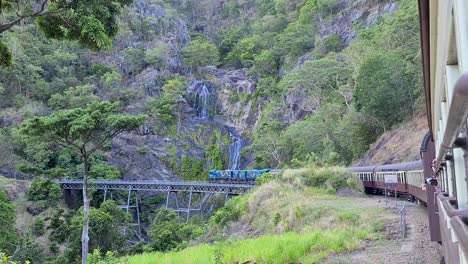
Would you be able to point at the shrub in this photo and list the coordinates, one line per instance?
(109, 258)
(329, 177)
(102, 170)
(232, 211)
(266, 177)
(8, 235)
(44, 189)
(201, 52)
(38, 227)
(276, 218)
(168, 233)
(143, 150)
(27, 250)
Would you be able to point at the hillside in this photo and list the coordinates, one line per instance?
(276, 85)
(170, 89)
(400, 144)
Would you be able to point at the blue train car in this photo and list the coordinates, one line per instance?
(230, 176)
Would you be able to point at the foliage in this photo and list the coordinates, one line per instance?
(59, 226)
(158, 55)
(381, 85)
(266, 177)
(8, 235)
(28, 250)
(332, 43)
(168, 233)
(5, 55)
(134, 59)
(216, 157)
(5, 259)
(192, 169)
(85, 131)
(103, 170)
(38, 227)
(244, 52)
(105, 223)
(92, 24)
(74, 97)
(332, 178)
(231, 211)
(44, 189)
(229, 38)
(109, 258)
(200, 52)
(295, 39)
(265, 64)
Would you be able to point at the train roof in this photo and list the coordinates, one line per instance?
(413, 165)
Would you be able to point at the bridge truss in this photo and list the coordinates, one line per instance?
(184, 197)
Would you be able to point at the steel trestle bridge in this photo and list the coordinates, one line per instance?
(183, 196)
(158, 186)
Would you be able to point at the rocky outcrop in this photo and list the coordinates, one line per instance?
(363, 12)
(234, 94)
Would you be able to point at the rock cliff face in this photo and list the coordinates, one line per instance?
(211, 106)
(358, 12)
(221, 103)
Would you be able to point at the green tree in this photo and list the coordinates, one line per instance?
(73, 97)
(244, 52)
(105, 228)
(158, 55)
(91, 23)
(200, 52)
(265, 64)
(332, 43)
(28, 250)
(102, 170)
(44, 189)
(295, 39)
(167, 232)
(84, 131)
(382, 89)
(8, 235)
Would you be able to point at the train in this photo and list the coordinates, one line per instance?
(236, 176)
(409, 175)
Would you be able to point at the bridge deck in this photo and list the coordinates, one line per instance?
(160, 186)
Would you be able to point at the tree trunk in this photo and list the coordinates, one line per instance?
(86, 201)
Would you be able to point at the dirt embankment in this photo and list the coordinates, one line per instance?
(400, 144)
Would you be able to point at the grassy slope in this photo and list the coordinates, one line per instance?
(285, 222)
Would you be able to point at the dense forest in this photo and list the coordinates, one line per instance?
(209, 84)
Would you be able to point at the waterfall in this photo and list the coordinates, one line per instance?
(203, 102)
(234, 152)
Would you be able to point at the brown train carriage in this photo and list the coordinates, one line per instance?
(410, 178)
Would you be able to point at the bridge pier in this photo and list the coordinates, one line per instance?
(129, 205)
(194, 202)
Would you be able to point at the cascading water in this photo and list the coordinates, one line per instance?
(234, 152)
(203, 102)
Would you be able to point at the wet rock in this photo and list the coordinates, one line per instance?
(34, 210)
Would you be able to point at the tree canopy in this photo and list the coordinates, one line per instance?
(92, 23)
(84, 130)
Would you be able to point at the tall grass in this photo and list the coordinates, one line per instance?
(292, 218)
(272, 249)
